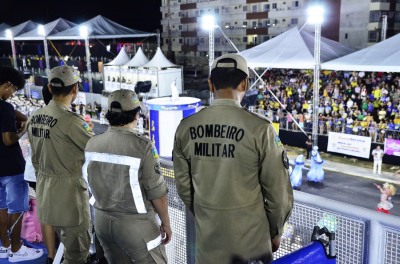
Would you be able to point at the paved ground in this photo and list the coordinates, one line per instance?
(346, 180)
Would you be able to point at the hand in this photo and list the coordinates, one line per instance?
(276, 241)
(166, 234)
(22, 127)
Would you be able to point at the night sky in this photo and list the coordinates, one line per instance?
(137, 14)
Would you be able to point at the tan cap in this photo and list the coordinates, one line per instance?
(128, 100)
(225, 61)
(68, 75)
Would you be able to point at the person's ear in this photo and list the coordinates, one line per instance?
(244, 85)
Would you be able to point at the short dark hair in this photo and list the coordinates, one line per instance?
(64, 90)
(122, 118)
(223, 78)
(15, 77)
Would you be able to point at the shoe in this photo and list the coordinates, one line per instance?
(4, 252)
(25, 253)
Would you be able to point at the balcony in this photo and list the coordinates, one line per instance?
(188, 6)
(254, 1)
(188, 20)
(189, 34)
(257, 31)
(189, 48)
(257, 15)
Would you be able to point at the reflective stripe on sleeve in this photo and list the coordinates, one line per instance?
(154, 243)
(133, 163)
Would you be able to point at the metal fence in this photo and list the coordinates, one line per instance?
(362, 235)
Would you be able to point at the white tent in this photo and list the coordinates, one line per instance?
(293, 49)
(138, 60)
(383, 56)
(113, 72)
(159, 71)
(51, 28)
(130, 69)
(100, 27)
(162, 73)
(121, 58)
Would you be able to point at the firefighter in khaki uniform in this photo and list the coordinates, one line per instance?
(58, 138)
(124, 175)
(231, 171)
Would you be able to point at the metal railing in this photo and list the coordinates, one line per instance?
(362, 235)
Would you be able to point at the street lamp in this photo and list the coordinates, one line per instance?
(10, 36)
(84, 33)
(42, 32)
(208, 23)
(315, 16)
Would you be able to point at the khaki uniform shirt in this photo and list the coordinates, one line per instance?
(58, 138)
(231, 171)
(123, 172)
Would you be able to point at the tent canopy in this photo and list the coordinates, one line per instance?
(100, 27)
(19, 29)
(159, 61)
(138, 60)
(121, 58)
(51, 28)
(293, 49)
(383, 56)
(3, 26)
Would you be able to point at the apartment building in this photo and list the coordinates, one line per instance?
(247, 23)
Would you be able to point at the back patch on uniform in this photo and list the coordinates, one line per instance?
(86, 127)
(278, 141)
(154, 153)
(285, 159)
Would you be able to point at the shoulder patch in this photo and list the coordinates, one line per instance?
(154, 153)
(278, 141)
(86, 127)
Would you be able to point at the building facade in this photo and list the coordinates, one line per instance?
(357, 23)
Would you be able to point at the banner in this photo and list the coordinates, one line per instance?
(349, 144)
(392, 147)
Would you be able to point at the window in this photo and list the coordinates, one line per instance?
(254, 8)
(216, 10)
(180, 41)
(245, 8)
(375, 16)
(373, 36)
(266, 38)
(266, 7)
(274, 6)
(226, 10)
(295, 3)
(244, 39)
(244, 23)
(203, 53)
(217, 40)
(196, 41)
(346, 36)
(180, 27)
(202, 40)
(397, 17)
(201, 12)
(283, 20)
(217, 54)
(294, 21)
(254, 24)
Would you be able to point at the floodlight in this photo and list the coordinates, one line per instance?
(9, 33)
(315, 14)
(41, 30)
(83, 31)
(208, 22)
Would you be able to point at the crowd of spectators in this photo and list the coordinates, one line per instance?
(359, 103)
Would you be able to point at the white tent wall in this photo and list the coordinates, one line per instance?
(161, 80)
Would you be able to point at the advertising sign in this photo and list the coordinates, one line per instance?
(348, 144)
